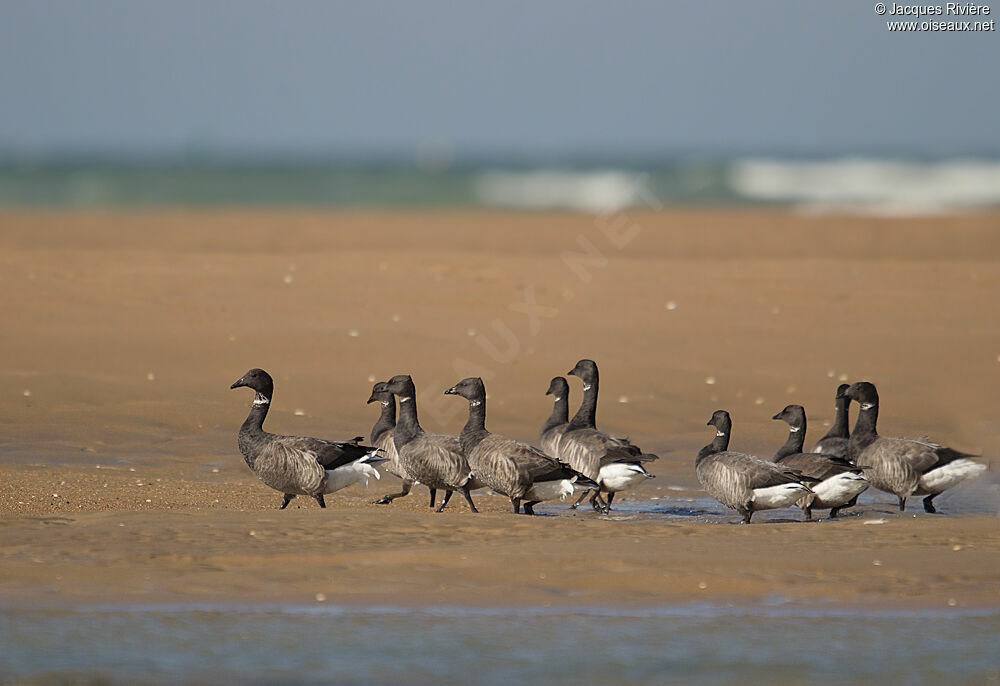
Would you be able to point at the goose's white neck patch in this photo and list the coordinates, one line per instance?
(404, 399)
(794, 429)
(867, 406)
(720, 433)
(261, 400)
(475, 403)
(587, 386)
(558, 398)
(385, 403)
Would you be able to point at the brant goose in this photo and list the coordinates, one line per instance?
(743, 482)
(435, 460)
(835, 441)
(381, 437)
(840, 482)
(555, 426)
(299, 465)
(614, 463)
(903, 466)
(514, 469)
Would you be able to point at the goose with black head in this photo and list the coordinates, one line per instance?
(381, 437)
(616, 464)
(517, 470)
(835, 440)
(298, 465)
(557, 423)
(839, 481)
(903, 466)
(435, 460)
(744, 482)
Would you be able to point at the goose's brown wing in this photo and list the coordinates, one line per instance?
(329, 454)
(816, 465)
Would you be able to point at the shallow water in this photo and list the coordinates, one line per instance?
(712, 644)
(979, 497)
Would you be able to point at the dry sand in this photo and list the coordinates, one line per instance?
(122, 333)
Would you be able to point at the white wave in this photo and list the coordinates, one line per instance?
(592, 191)
(871, 186)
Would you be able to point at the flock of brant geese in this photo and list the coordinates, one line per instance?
(577, 457)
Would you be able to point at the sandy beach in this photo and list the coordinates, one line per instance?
(120, 480)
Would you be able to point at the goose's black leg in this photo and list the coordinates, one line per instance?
(467, 492)
(529, 508)
(386, 499)
(319, 499)
(809, 512)
(598, 502)
(285, 500)
(834, 511)
(444, 501)
(579, 500)
(902, 503)
(747, 514)
(611, 496)
(516, 502)
(929, 503)
(433, 496)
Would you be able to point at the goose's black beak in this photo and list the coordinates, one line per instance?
(572, 372)
(548, 392)
(452, 391)
(237, 384)
(841, 396)
(371, 399)
(709, 423)
(777, 416)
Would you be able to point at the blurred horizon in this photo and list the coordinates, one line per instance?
(860, 185)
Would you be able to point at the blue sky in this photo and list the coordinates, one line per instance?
(538, 79)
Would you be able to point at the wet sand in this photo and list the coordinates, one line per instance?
(124, 330)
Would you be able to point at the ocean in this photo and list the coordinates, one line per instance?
(867, 185)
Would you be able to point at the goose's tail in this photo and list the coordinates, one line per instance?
(581, 481)
(376, 456)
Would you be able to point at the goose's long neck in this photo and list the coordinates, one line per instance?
(254, 423)
(253, 428)
(407, 427)
(719, 444)
(474, 430)
(865, 432)
(586, 416)
(840, 426)
(386, 420)
(560, 413)
(793, 444)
